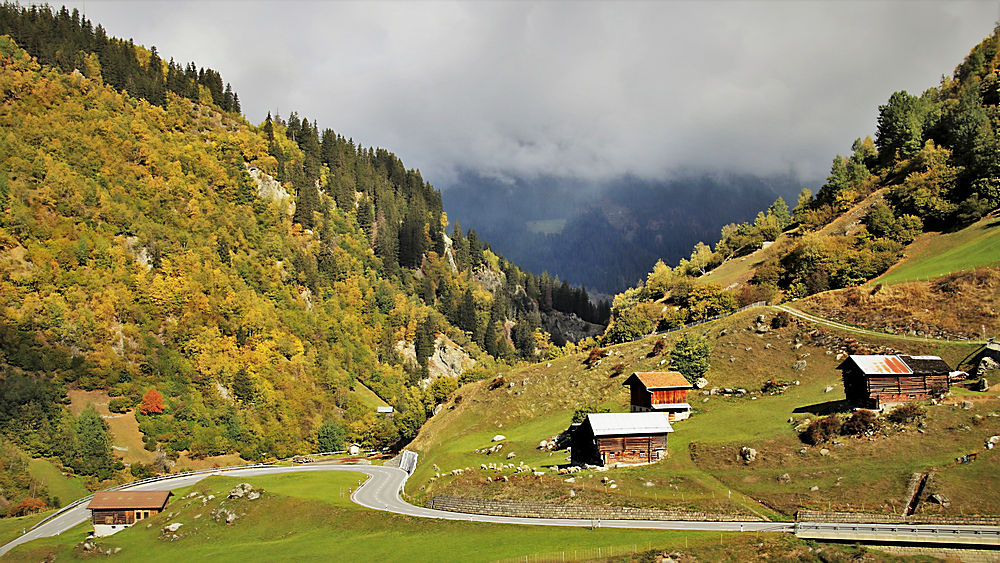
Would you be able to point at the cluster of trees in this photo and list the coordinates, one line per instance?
(66, 40)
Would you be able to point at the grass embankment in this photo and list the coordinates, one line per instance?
(933, 255)
(702, 471)
(11, 528)
(317, 519)
(66, 489)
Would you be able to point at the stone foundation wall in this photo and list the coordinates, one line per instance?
(869, 518)
(536, 509)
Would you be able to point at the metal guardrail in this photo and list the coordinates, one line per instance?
(129, 485)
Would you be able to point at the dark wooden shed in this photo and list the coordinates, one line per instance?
(881, 381)
(629, 438)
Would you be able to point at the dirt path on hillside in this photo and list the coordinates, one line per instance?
(857, 330)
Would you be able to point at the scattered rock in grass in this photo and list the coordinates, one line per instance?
(570, 480)
(241, 490)
(967, 405)
(700, 383)
(814, 488)
(828, 388)
(614, 485)
(499, 437)
(940, 499)
(172, 527)
(649, 484)
(511, 455)
(572, 493)
(982, 385)
(824, 452)
(784, 478)
(748, 454)
(799, 365)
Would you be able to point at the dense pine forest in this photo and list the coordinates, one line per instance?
(934, 165)
(235, 286)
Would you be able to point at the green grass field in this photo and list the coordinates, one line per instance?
(318, 522)
(936, 254)
(10, 528)
(66, 489)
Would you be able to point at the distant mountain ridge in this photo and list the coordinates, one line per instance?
(606, 236)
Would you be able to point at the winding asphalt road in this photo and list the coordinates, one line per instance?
(381, 491)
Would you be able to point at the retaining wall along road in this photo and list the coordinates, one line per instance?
(870, 518)
(536, 509)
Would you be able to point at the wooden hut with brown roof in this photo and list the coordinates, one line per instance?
(113, 511)
(660, 391)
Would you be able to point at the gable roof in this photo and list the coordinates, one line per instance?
(658, 379)
(880, 364)
(618, 423)
(105, 500)
(926, 364)
(898, 364)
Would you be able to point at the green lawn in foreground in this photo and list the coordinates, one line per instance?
(10, 528)
(66, 489)
(309, 516)
(936, 255)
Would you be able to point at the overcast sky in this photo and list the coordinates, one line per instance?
(594, 90)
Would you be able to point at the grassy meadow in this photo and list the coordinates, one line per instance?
(703, 471)
(933, 255)
(318, 521)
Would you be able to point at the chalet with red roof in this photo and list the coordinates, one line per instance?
(881, 381)
(664, 392)
(113, 511)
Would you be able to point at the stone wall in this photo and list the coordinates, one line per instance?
(536, 509)
(869, 518)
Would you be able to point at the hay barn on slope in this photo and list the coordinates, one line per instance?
(882, 381)
(627, 438)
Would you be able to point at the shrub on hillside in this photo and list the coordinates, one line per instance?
(618, 369)
(658, 347)
(141, 470)
(780, 320)
(904, 414)
(595, 356)
(821, 430)
(29, 505)
(119, 405)
(581, 413)
(862, 422)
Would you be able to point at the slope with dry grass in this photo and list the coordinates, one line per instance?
(964, 305)
(702, 471)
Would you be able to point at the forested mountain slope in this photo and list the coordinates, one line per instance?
(233, 285)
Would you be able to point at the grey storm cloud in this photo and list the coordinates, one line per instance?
(590, 91)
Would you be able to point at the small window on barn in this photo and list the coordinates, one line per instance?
(642, 454)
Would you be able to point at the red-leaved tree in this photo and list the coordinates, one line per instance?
(152, 402)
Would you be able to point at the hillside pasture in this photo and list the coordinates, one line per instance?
(323, 521)
(934, 255)
(702, 471)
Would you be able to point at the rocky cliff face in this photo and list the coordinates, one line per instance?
(448, 359)
(569, 327)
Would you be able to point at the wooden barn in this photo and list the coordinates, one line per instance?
(660, 391)
(113, 511)
(881, 381)
(627, 438)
